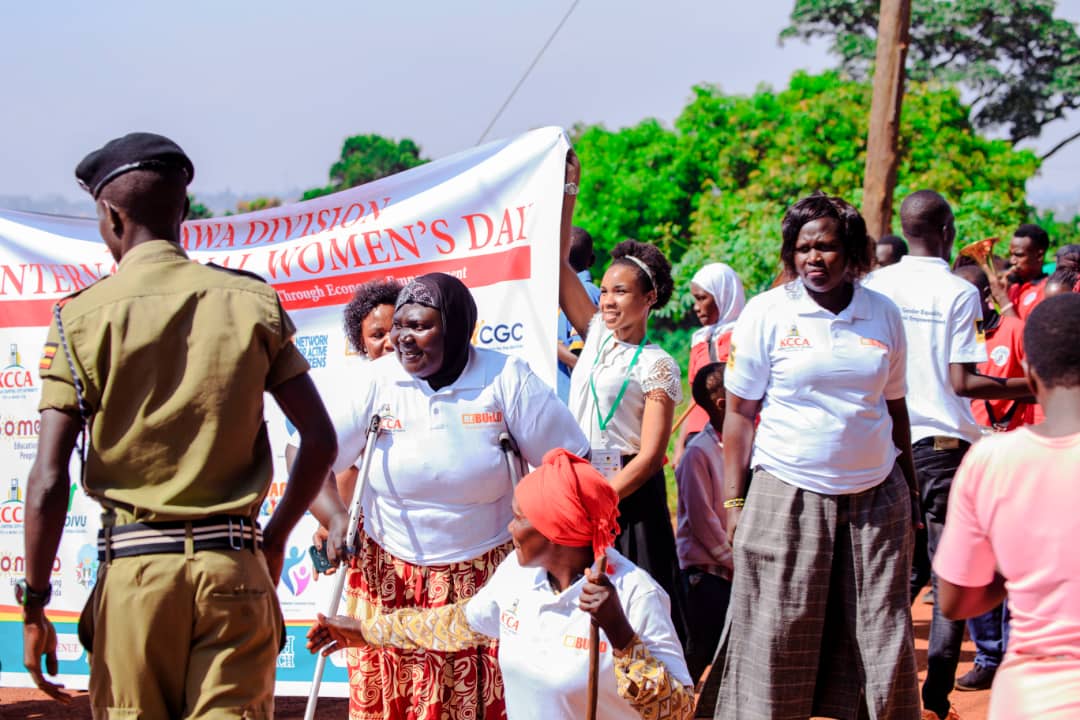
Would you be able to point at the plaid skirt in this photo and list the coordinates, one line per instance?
(819, 621)
(391, 684)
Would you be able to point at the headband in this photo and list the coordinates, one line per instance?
(641, 264)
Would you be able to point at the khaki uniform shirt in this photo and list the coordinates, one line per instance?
(174, 358)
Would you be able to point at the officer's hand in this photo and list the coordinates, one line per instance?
(39, 638)
(599, 599)
(337, 539)
(328, 635)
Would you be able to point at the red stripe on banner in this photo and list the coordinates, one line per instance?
(478, 271)
(513, 264)
(26, 313)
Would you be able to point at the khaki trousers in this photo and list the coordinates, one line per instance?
(185, 636)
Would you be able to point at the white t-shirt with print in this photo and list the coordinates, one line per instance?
(439, 490)
(823, 380)
(544, 639)
(607, 361)
(943, 319)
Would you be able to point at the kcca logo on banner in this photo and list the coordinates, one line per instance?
(16, 380)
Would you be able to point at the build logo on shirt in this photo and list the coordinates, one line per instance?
(793, 340)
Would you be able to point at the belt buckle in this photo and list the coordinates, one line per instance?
(946, 443)
(236, 542)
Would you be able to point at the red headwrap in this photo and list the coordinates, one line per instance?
(570, 503)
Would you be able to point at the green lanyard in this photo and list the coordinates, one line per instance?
(600, 419)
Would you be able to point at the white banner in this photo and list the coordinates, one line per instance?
(490, 216)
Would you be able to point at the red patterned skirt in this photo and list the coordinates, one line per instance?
(391, 684)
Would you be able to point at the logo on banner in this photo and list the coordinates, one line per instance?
(313, 348)
(287, 657)
(13, 565)
(16, 380)
(12, 510)
(296, 573)
(87, 566)
(499, 336)
(273, 496)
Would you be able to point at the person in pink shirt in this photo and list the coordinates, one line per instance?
(701, 537)
(1012, 530)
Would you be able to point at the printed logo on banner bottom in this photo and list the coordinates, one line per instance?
(296, 573)
(68, 647)
(87, 566)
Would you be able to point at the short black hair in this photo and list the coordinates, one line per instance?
(1037, 234)
(850, 226)
(899, 247)
(1068, 256)
(1050, 340)
(658, 265)
(154, 198)
(708, 379)
(581, 249)
(1065, 276)
(924, 214)
(367, 297)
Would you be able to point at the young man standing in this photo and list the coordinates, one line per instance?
(1027, 253)
(942, 317)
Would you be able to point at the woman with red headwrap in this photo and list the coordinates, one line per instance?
(539, 604)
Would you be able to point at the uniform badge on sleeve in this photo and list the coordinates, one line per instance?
(47, 356)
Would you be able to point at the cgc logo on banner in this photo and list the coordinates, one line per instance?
(16, 381)
(499, 336)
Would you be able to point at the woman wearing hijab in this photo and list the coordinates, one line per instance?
(718, 300)
(540, 603)
(438, 497)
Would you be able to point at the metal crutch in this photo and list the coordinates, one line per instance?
(510, 451)
(339, 583)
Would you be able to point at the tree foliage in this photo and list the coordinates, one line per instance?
(715, 187)
(1019, 63)
(259, 203)
(365, 158)
(196, 210)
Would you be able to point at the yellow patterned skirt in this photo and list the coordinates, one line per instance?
(390, 684)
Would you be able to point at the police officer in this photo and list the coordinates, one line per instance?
(166, 362)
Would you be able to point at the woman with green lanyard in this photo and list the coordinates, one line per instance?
(623, 393)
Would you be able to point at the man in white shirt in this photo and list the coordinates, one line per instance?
(942, 317)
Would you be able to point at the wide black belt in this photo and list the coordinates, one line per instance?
(223, 532)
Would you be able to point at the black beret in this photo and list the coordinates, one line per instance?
(135, 151)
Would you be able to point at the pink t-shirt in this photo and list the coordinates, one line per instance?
(1015, 506)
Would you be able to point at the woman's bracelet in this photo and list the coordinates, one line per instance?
(734, 503)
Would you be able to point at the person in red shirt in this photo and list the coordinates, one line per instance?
(1027, 253)
(1005, 348)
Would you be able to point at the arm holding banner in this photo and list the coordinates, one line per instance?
(573, 298)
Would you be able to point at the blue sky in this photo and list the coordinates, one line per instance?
(262, 94)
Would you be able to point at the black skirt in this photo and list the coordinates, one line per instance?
(647, 539)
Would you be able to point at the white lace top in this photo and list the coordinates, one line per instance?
(607, 360)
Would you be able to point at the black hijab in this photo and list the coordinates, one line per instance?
(455, 303)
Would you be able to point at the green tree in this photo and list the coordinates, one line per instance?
(365, 158)
(716, 186)
(259, 203)
(1019, 63)
(196, 210)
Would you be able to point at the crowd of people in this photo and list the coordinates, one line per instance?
(835, 458)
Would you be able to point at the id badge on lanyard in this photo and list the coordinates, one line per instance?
(608, 460)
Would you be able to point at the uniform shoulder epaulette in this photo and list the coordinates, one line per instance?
(68, 298)
(237, 271)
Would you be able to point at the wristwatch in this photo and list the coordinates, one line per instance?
(30, 598)
(570, 188)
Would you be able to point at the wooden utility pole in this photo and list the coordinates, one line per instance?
(881, 153)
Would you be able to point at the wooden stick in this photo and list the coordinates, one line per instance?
(682, 418)
(594, 653)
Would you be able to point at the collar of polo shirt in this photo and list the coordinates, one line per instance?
(858, 309)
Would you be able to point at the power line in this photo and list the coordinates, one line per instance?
(527, 71)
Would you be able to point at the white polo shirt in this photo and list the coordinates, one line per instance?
(943, 320)
(824, 380)
(439, 490)
(544, 639)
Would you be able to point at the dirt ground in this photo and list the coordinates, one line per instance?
(21, 704)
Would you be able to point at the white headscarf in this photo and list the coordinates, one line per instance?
(724, 285)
